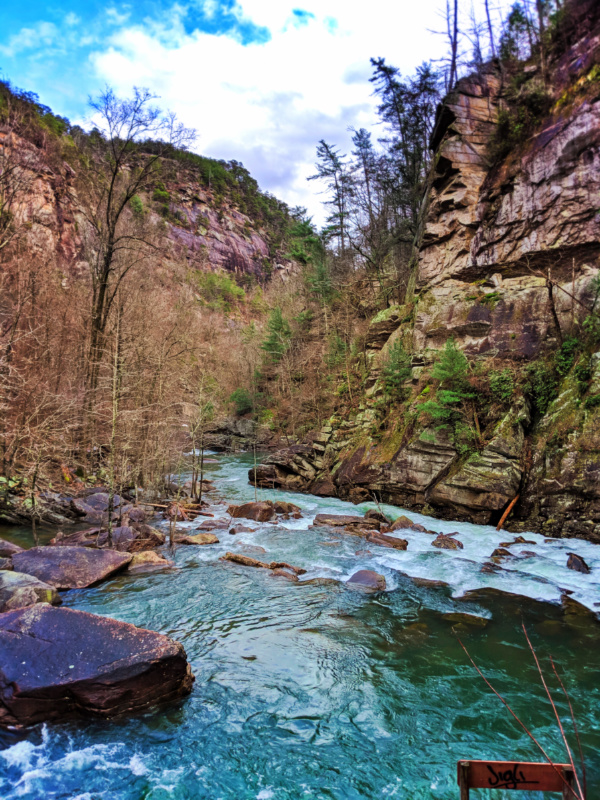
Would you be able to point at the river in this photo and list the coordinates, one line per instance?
(319, 691)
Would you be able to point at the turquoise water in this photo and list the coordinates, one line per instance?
(317, 691)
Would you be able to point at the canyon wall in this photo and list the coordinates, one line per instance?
(505, 265)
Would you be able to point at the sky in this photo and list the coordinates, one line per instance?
(262, 81)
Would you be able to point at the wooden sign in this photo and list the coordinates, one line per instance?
(514, 775)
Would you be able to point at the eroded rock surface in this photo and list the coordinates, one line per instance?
(70, 567)
(18, 590)
(56, 663)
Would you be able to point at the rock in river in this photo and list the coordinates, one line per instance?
(56, 662)
(70, 567)
(577, 563)
(367, 579)
(259, 512)
(18, 590)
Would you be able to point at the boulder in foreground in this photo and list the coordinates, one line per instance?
(70, 567)
(18, 590)
(57, 663)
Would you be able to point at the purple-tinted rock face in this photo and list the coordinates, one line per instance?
(70, 567)
(56, 663)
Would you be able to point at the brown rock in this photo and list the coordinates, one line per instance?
(377, 515)
(402, 523)
(457, 617)
(518, 540)
(6, 563)
(8, 549)
(198, 538)
(577, 563)
(281, 507)
(345, 521)
(70, 567)
(500, 551)
(246, 561)
(387, 541)
(447, 542)
(259, 512)
(18, 590)
(282, 573)
(147, 561)
(367, 579)
(56, 663)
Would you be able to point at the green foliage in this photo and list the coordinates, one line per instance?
(242, 400)
(593, 401)
(451, 369)
(565, 356)
(279, 336)
(336, 352)
(528, 105)
(447, 407)
(137, 206)
(502, 385)
(396, 371)
(160, 194)
(490, 299)
(541, 386)
(583, 375)
(219, 290)
(318, 280)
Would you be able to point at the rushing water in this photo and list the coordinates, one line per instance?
(319, 691)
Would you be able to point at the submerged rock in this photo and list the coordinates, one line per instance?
(18, 590)
(56, 663)
(70, 567)
(246, 561)
(577, 563)
(367, 579)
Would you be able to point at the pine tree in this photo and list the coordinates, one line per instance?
(278, 339)
(396, 371)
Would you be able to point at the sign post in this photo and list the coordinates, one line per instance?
(520, 775)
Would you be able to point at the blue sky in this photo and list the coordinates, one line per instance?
(261, 80)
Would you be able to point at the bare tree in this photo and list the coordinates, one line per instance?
(120, 168)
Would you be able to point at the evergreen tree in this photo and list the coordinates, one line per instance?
(332, 169)
(279, 335)
(396, 371)
(447, 408)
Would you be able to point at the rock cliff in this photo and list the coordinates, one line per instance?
(505, 267)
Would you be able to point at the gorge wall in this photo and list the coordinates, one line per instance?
(505, 267)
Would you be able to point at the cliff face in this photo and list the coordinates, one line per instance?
(206, 229)
(505, 268)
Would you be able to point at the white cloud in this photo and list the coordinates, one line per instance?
(268, 104)
(41, 34)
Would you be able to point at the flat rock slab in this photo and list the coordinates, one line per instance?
(198, 538)
(259, 512)
(8, 549)
(148, 561)
(57, 663)
(70, 567)
(18, 590)
(345, 521)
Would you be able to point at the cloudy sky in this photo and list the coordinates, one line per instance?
(261, 80)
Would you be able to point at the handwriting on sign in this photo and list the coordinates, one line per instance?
(510, 778)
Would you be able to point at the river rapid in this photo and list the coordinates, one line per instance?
(321, 691)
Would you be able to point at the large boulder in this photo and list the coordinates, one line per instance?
(56, 663)
(8, 549)
(18, 590)
(70, 567)
(367, 579)
(132, 538)
(259, 512)
(198, 538)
